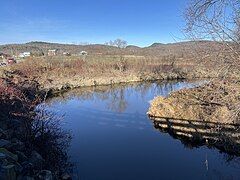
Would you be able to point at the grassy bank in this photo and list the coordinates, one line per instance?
(26, 84)
(217, 101)
(207, 115)
(70, 72)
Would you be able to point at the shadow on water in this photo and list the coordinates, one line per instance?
(192, 133)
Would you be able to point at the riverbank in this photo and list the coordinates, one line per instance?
(21, 122)
(216, 101)
(208, 114)
(31, 143)
(25, 85)
(58, 74)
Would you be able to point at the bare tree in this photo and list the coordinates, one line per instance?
(237, 32)
(217, 20)
(109, 43)
(213, 19)
(118, 43)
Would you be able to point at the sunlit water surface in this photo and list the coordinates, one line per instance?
(113, 139)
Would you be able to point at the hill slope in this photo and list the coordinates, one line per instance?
(157, 49)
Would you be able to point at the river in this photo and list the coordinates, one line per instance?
(113, 138)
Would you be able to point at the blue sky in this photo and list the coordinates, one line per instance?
(140, 22)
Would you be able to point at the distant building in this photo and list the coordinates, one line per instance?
(24, 54)
(27, 54)
(21, 55)
(52, 52)
(83, 53)
(67, 54)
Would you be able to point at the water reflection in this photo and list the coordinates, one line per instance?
(225, 137)
(116, 96)
(114, 138)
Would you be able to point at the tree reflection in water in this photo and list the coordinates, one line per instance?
(118, 103)
(116, 96)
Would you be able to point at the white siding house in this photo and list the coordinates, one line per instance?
(24, 54)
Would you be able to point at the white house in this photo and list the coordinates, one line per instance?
(24, 54)
(27, 54)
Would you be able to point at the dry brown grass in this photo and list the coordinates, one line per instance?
(94, 66)
(217, 101)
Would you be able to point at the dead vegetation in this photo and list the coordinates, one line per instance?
(35, 135)
(219, 100)
(58, 71)
(213, 102)
(49, 72)
(206, 115)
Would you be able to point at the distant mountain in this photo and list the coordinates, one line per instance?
(43, 47)
(157, 44)
(39, 43)
(179, 49)
(132, 47)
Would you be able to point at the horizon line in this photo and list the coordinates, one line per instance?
(88, 43)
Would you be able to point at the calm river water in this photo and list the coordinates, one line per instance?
(113, 139)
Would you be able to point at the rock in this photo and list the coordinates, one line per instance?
(4, 143)
(8, 172)
(9, 155)
(66, 177)
(45, 175)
